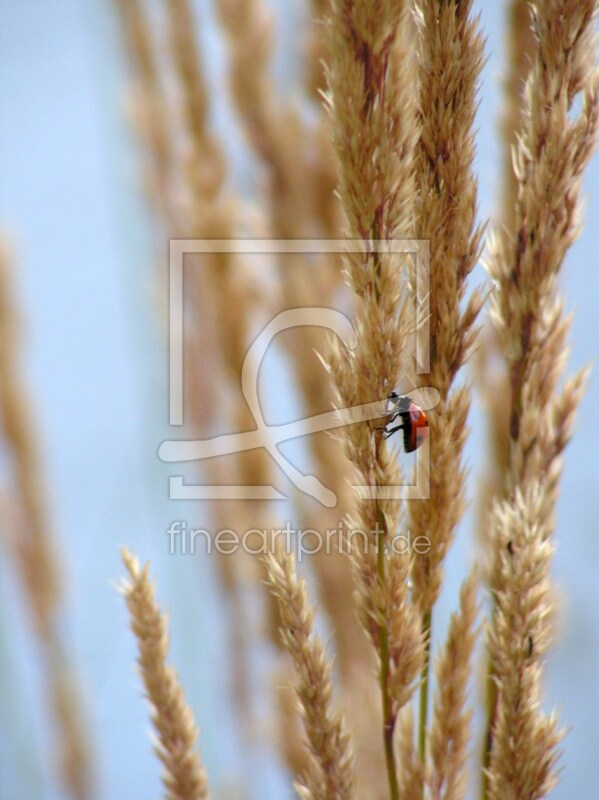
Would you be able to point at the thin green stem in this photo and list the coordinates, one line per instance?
(427, 621)
(389, 716)
(491, 706)
(491, 711)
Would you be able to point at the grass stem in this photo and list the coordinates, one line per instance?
(427, 619)
(388, 712)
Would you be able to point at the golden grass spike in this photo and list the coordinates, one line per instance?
(184, 777)
(447, 190)
(450, 729)
(330, 773)
(525, 739)
(373, 121)
(554, 145)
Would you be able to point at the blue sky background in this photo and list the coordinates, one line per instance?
(96, 369)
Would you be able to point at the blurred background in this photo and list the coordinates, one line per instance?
(85, 253)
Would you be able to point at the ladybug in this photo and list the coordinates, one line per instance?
(414, 422)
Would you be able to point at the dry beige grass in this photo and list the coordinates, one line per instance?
(329, 772)
(524, 749)
(371, 104)
(450, 61)
(400, 87)
(450, 729)
(554, 143)
(33, 545)
(395, 137)
(184, 778)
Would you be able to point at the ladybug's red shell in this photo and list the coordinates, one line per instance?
(414, 422)
(415, 427)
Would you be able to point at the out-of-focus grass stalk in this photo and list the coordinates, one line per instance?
(34, 547)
